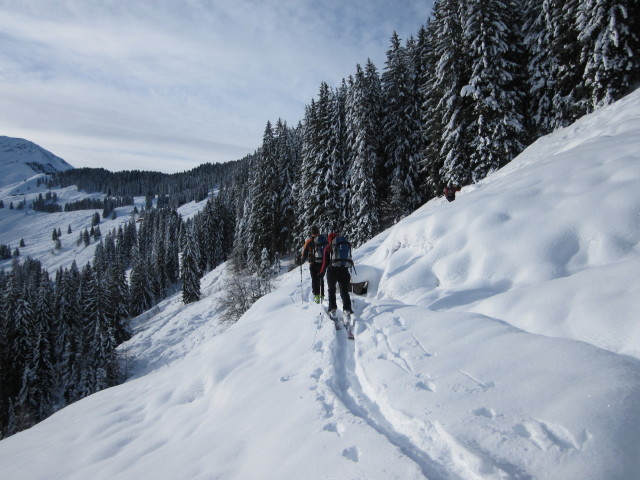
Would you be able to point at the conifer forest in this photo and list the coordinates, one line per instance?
(478, 83)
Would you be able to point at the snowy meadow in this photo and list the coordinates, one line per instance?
(499, 339)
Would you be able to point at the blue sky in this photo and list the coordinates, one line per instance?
(168, 85)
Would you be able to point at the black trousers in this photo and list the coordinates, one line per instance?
(317, 282)
(342, 277)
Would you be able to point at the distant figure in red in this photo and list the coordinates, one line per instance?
(450, 192)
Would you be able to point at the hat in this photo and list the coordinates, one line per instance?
(315, 230)
(332, 235)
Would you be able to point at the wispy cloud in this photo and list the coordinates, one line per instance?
(167, 85)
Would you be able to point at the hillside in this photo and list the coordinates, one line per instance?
(21, 159)
(499, 340)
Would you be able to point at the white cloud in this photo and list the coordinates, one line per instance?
(189, 80)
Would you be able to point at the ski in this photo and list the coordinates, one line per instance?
(334, 317)
(348, 322)
(345, 320)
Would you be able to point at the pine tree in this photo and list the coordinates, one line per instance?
(446, 113)
(38, 379)
(68, 347)
(610, 41)
(558, 96)
(140, 284)
(172, 262)
(492, 34)
(363, 124)
(190, 272)
(310, 191)
(261, 223)
(118, 292)
(287, 152)
(100, 369)
(322, 179)
(10, 373)
(401, 127)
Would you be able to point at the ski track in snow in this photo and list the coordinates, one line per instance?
(440, 457)
(346, 396)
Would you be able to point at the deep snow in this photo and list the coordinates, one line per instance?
(499, 340)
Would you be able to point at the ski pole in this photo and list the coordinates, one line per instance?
(301, 295)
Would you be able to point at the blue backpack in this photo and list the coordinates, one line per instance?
(319, 244)
(341, 252)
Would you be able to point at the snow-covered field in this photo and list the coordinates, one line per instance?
(36, 228)
(499, 340)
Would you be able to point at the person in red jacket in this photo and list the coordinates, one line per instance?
(450, 192)
(336, 274)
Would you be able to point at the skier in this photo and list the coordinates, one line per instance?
(312, 252)
(336, 262)
(450, 192)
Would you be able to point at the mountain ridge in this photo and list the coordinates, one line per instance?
(21, 159)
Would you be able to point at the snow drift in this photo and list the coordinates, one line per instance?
(499, 340)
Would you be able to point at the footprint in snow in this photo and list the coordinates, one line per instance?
(334, 427)
(484, 412)
(351, 453)
(427, 385)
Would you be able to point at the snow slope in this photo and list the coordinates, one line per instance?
(499, 340)
(21, 159)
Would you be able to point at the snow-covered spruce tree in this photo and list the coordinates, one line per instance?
(542, 81)
(309, 204)
(190, 270)
(572, 98)
(10, 372)
(207, 226)
(492, 34)
(68, 346)
(83, 381)
(172, 247)
(157, 261)
(322, 173)
(364, 130)
(339, 153)
(262, 209)
(239, 205)
(4, 353)
(101, 366)
(336, 156)
(22, 349)
(35, 366)
(431, 125)
(447, 114)
(287, 153)
(140, 284)
(401, 129)
(609, 35)
(118, 294)
(36, 397)
(558, 95)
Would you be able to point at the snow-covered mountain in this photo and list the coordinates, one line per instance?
(21, 159)
(499, 340)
